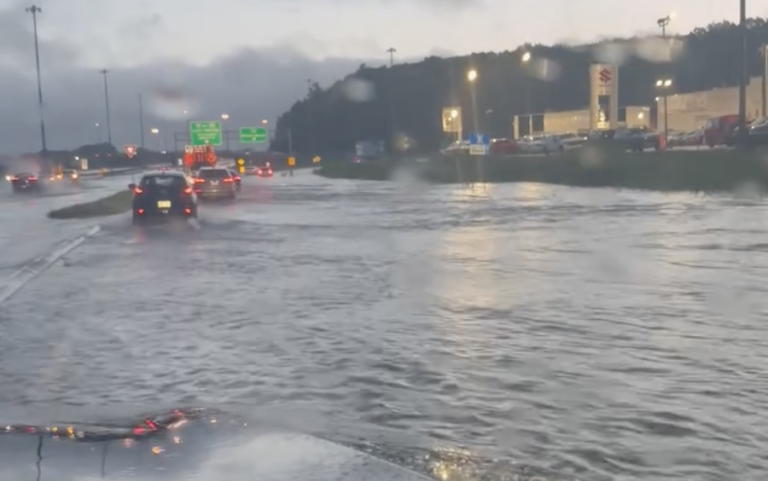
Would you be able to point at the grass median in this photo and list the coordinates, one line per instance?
(116, 203)
(593, 165)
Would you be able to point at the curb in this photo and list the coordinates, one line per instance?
(36, 267)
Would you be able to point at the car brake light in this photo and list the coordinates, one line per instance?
(199, 181)
(188, 190)
(228, 180)
(14, 178)
(237, 177)
(139, 211)
(137, 191)
(188, 211)
(31, 177)
(269, 172)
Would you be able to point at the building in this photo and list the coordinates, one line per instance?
(572, 121)
(689, 111)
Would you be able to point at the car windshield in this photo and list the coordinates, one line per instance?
(149, 182)
(213, 174)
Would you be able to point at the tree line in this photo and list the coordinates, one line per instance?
(376, 103)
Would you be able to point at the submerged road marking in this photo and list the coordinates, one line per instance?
(39, 265)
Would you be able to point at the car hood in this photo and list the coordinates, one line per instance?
(205, 448)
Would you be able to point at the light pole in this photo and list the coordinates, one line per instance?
(744, 65)
(224, 118)
(663, 23)
(391, 98)
(525, 59)
(665, 85)
(34, 10)
(472, 78)
(98, 133)
(104, 72)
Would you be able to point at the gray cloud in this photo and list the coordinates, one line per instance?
(249, 86)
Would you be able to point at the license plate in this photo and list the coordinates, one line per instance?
(163, 204)
(214, 182)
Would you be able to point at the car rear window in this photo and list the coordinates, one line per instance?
(162, 181)
(213, 174)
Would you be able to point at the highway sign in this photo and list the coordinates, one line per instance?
(130, 151)
(253, 135)
(479, 139)
(205, 133)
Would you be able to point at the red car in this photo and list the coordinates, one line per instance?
(264, 170)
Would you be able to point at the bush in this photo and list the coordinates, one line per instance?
(111, 205)
(596, 164)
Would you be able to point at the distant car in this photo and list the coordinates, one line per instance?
(236, 178)
(26, 182)
(70, 175)
(163, 195)
(264, 170)
(215, 183)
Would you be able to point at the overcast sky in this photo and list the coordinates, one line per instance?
(251, 58)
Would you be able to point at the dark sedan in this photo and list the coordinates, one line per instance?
(26, 182)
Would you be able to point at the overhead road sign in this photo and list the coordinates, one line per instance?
(253, 135)
(205, 133)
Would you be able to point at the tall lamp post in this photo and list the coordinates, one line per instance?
(34, 10)
(744, 62)
(525, 59)
(664, 85)
(104, 72)
(472, 78)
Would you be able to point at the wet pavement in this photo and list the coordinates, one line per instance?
(590, 333)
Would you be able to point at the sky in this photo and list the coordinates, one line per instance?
(251, 59)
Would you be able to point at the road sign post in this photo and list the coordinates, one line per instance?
(205, 133)
(253, 135)
(478, 144)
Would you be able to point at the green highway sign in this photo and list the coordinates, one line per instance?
(205, 133)
(253, 135)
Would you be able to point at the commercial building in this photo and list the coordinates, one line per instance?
(689, 111)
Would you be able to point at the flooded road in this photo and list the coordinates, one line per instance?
(587, 333)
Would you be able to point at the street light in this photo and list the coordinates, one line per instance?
(454, 113)
(155, 131)
(528, 79)
(665, 85)
(663, 23)
(472, 75)
(264, 122)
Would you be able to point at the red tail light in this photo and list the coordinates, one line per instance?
(137, 191)
(31, 177)
(188, 211)
(228, 180)
(14, 178)
(237, 177)
(199, 181)
(187, 190)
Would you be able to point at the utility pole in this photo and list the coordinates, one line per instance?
(104, 72)
(141, 121)
(663, 23)
(311, 136)
(744, 62)
(34, 10)
(391, 51)
(764, 52)
(391, 93)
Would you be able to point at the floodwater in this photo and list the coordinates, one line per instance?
(466, 332)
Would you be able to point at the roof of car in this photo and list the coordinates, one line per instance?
(168, 173)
